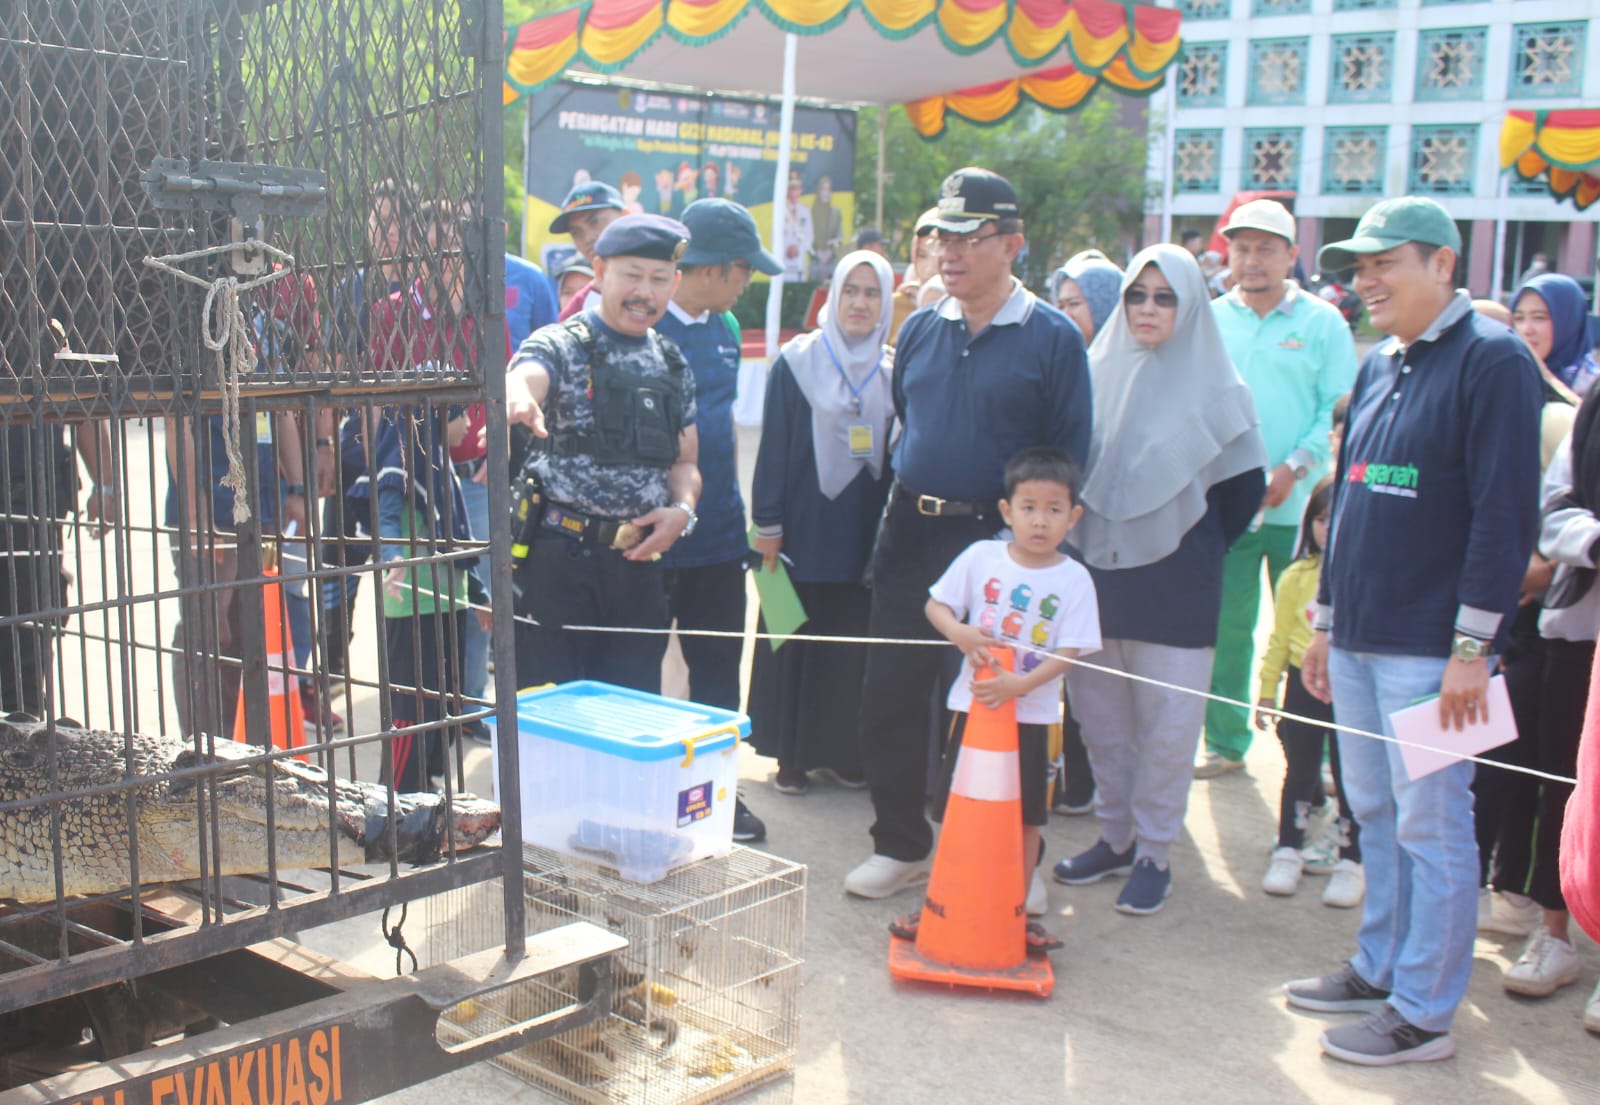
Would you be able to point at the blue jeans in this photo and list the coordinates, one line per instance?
(475, 646)
(1417, 843)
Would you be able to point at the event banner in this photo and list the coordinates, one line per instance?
(663, 151)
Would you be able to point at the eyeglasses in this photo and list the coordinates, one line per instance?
(1137, 297)
(960, 243)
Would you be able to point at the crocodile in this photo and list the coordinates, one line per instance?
(185, 803)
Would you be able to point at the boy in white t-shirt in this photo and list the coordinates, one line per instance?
(1028, 594)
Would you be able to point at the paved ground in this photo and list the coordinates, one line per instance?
(1180, 1007)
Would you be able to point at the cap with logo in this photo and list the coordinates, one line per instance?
(596, 195)
(1392, 223)
(971, 197)
(1268, 216)
(653, 237)
(720, 232)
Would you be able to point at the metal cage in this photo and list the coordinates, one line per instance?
(241, 241)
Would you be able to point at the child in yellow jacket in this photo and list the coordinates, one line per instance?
(1302, 741)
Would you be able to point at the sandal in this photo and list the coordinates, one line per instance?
(1040, 939)
(905, 926)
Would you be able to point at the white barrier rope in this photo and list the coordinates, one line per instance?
(226, 332)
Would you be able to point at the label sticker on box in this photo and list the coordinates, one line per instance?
(694, 804)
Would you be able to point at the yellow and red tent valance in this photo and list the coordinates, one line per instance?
(1129, 46)
(1562, 147)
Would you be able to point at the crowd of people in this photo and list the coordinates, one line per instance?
(1113, 473)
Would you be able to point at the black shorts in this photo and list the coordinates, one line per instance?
(1033, 762)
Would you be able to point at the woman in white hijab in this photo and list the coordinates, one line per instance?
(1177, 471)
(821, 481)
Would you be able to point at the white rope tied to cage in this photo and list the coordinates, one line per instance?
(226, 332)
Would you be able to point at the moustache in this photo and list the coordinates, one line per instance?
(638, 304)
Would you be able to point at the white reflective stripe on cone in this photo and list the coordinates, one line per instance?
(987, 776)
(277, 673)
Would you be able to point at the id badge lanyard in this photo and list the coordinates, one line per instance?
(861, 433)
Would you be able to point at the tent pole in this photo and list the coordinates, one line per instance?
(1168, 157)
(883, 138)
(780, 195)
(1497, 284)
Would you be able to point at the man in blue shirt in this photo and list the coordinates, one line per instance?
(982, 374)
(705, 568)
(1296, 355)
(1435, 507)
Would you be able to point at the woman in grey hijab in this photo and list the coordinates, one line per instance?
(821, 480)
(1177, 471)
(1085, 289)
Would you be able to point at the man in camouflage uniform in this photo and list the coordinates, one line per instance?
(613, 465)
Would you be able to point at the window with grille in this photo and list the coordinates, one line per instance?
(1197, 161)
(1205, 9)
(1278, 71)
(1203, 74)
(1279, 7)
(1271, 158)
(1450, 63)
(1362, 69)
(1548, 60)
(1443, 160)
(1361, 5)
(1353, 160)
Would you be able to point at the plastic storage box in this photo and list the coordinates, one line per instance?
(632, 781)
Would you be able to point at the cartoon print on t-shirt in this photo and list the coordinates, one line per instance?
(1048, 606)
(1012, 625)
(1021, 595)
(986, 619)
(991, 591)
(1041, 634)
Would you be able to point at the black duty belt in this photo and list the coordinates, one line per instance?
(931, 506)
(601, 533)
(466, 469)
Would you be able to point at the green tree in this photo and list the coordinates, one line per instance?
(1080, 177)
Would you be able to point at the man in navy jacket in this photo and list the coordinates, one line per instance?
(1434, 517)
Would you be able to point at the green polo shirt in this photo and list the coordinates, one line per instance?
(1296, 361)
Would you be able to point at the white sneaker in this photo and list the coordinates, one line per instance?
(882, 877)
(1591, 1012)
(1508, 914)
(1283, 873)
(1547, 964)
(1212, 765)
(1347, 885)
(1038, 903)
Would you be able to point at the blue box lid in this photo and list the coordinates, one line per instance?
(623, 722)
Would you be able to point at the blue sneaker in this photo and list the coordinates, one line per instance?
(1147, 889)
(1093, 865)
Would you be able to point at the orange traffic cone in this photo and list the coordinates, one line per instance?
(288, 717)
(973, 926)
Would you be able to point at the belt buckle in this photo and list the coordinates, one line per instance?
(930, 505)
(627, 536)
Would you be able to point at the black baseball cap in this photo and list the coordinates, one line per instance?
(654, 237)
(721, 231)
(593, 196)
(868, 236)
(971, 197)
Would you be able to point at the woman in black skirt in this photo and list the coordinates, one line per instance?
(820, 484)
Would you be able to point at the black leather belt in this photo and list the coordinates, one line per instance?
(466, 469)
(602, 533)
(931, 506)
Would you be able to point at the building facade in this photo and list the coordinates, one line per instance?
(1344, 102)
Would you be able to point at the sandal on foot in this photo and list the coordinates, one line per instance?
(1040, 939)
(905, 926)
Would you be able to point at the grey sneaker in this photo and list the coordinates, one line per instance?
(1147, 889)
(1093, 865)
(1343, 991)
(1385, 1039)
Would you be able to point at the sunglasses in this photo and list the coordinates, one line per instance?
(1137, 297)
(961, 243)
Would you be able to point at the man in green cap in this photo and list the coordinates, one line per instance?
(1434, 512)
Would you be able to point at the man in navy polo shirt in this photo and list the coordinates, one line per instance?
(1436, 503)
(982, 374)
(705, 567)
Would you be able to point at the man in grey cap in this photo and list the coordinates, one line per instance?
(984, 373)
(588, 209)
(705, 569)
(1436, 501)
(1296, 355)
(612, 480)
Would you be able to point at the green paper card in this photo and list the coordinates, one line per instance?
(780, 604)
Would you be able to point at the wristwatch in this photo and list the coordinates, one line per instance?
(1468, 649)
(1300, 472)
(688, 508)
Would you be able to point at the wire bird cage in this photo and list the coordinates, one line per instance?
(318, 185)
(707, 991)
